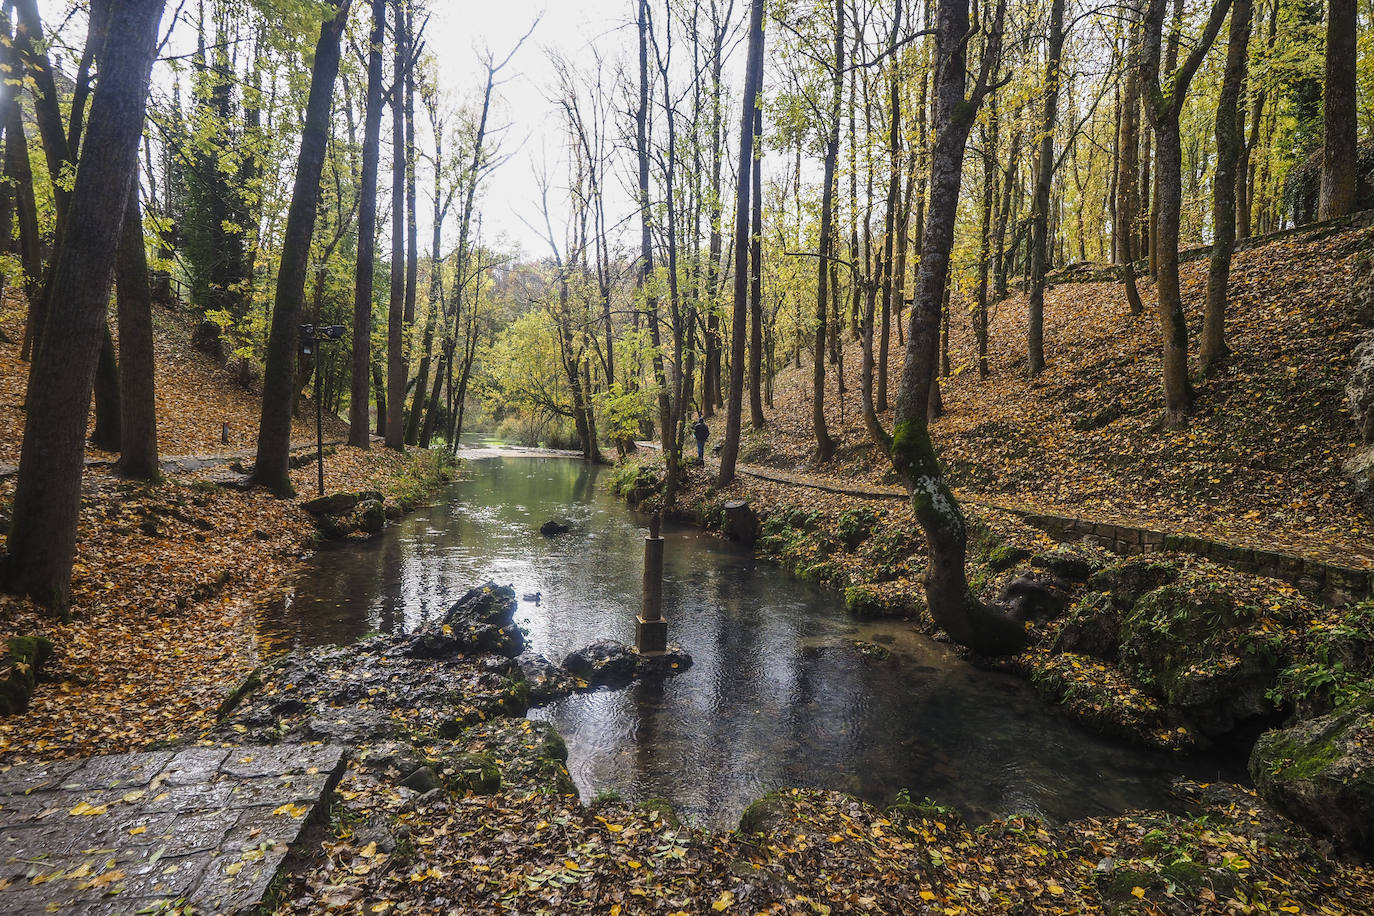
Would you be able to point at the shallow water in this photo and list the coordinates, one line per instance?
(778, 695)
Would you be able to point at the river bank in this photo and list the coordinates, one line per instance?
(469, 807)
(456, 799)
(1165, 650)
(167, 581)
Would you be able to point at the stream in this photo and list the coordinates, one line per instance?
(777, 696)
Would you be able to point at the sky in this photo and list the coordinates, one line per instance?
(459, 33)
(458, 37)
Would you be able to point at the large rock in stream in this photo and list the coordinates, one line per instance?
(608, 663)
(1320, 772)
(438, 680)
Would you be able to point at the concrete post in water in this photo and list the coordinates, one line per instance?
(651, 635)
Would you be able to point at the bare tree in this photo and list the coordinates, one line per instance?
(1163, 103)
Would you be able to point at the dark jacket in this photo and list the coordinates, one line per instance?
(700, 431)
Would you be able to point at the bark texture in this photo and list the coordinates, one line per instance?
(137, 397)
(953, 606)
(47, 501)
(272, 469)
(359, 421)
(739, 328)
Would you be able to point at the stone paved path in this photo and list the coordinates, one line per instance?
(134, 832)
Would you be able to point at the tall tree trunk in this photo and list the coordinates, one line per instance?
(431, 415)
(18, 171)
(436, 281)
(396, 369)
(138, 402)
(273, 466)
(739, 329)
(379, 391)
(644, 282)
(1128, 190)
(105, 434)
(47, 500)
(1340, 157)
(756, 279)
(412, 191)
(1164, 108)
(711, 373)
(1044, 176)
(1011, 192)
(989, 144)
(30, 42)
(359, 432)
(893, 223)
(1230, 143)
(825, 446)
(952, 605)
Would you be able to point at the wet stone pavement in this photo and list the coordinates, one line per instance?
(139, 832)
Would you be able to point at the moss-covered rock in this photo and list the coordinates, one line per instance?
(1211, 656)
(766, 815)
(335, 527)
(19, 669)
(530, 755)
(1131, 579)
(1005, 556)
(1320, 772)
(476, 773)
(1092, 627)
(1068, 564)
(1036, 595)
(660, 810)
(883, 602)
(372, 516)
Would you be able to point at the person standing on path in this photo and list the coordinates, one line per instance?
(701, 432)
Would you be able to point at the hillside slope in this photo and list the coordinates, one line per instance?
(195, 394)
(1259, 465)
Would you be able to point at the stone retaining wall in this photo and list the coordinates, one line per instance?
(1093, 272)
(1328, 582)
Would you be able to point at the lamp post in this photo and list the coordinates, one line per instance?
(311, 339)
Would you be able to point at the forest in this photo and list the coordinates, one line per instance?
(1030, 271)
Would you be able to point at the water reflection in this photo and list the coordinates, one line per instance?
(777, 696)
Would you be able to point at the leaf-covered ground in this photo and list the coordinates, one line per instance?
(162, 624)
(195, 395)
(529, 848)
(1259, 464)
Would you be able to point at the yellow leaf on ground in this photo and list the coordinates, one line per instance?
(86, 808)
